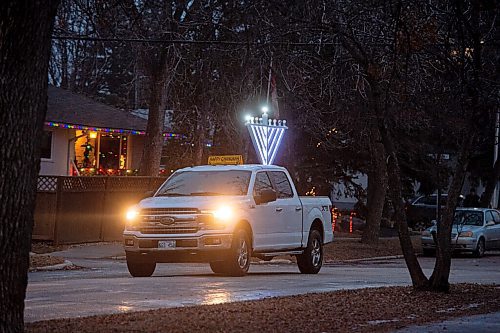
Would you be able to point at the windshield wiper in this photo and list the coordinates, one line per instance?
(205, 193)
(173, 194)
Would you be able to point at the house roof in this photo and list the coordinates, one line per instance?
(67, 107)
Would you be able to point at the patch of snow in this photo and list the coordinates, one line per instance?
(472, 306)
(446, 310)
(382, 321)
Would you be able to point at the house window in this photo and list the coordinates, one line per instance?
(113, 152)
(46, 151)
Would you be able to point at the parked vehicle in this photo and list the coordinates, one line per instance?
(224, 215)
(474, 230)
(422, 210)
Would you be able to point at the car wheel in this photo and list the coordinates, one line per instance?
(140, 269)
(218, 267)
(238, 260)
(311, 260)
(480, 249)
(429, 252)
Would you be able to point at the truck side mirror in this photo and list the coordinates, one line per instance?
(265, 196)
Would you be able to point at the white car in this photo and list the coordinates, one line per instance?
(474, 230)
(224, 215)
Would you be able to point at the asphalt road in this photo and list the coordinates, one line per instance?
(105, 286)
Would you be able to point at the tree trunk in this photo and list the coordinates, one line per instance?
(440, 276)
(25, 30)
(200, 145)
(491, 183)
(418, 278)
(153, 144)
(377, 189)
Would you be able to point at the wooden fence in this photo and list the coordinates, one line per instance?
(86, 209)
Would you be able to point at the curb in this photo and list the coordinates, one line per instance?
(367, 259)
(116, 257)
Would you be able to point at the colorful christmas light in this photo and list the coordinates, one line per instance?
(108, 130)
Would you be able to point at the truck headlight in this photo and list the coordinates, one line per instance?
(132, 214)
(224, 213)
(216, 219)
(466, 234)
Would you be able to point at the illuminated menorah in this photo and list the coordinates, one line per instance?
(266, 136)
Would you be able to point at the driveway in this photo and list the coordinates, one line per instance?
(104, 286)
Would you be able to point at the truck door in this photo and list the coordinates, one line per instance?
(266, 218)
(289, 208)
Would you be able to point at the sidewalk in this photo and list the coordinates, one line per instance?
(486, 323)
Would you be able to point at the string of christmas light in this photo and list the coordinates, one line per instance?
(108, 130)
(108, 172)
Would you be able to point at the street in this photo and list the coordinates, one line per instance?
(104, 285)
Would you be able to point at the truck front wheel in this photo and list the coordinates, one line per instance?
(140, 269)
(311, 260)
(218, 267)
(238, 260)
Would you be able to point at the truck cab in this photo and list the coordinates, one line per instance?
(224, 215)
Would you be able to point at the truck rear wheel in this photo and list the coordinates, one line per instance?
(238, 260)
(311, 260)
(140, 269)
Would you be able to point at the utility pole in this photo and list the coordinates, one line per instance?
(269, 80)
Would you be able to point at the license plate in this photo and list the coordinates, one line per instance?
(168, 244)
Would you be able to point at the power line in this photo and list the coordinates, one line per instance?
(181, 41)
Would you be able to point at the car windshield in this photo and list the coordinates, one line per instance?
(206, 183)
(468, 217)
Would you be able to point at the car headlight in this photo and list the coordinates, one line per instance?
(466, 234)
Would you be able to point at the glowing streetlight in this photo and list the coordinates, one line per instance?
(265, 109)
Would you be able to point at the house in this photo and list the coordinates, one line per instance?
(85, 137)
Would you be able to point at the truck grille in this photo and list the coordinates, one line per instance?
(169, 221)
(169, 211)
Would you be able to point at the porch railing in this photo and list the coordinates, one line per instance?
(86, 209)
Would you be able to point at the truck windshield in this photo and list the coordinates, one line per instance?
(206, 183)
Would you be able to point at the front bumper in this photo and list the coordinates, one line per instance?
(458, 243)
(204, 248)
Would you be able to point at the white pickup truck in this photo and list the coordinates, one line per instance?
(224, 215)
